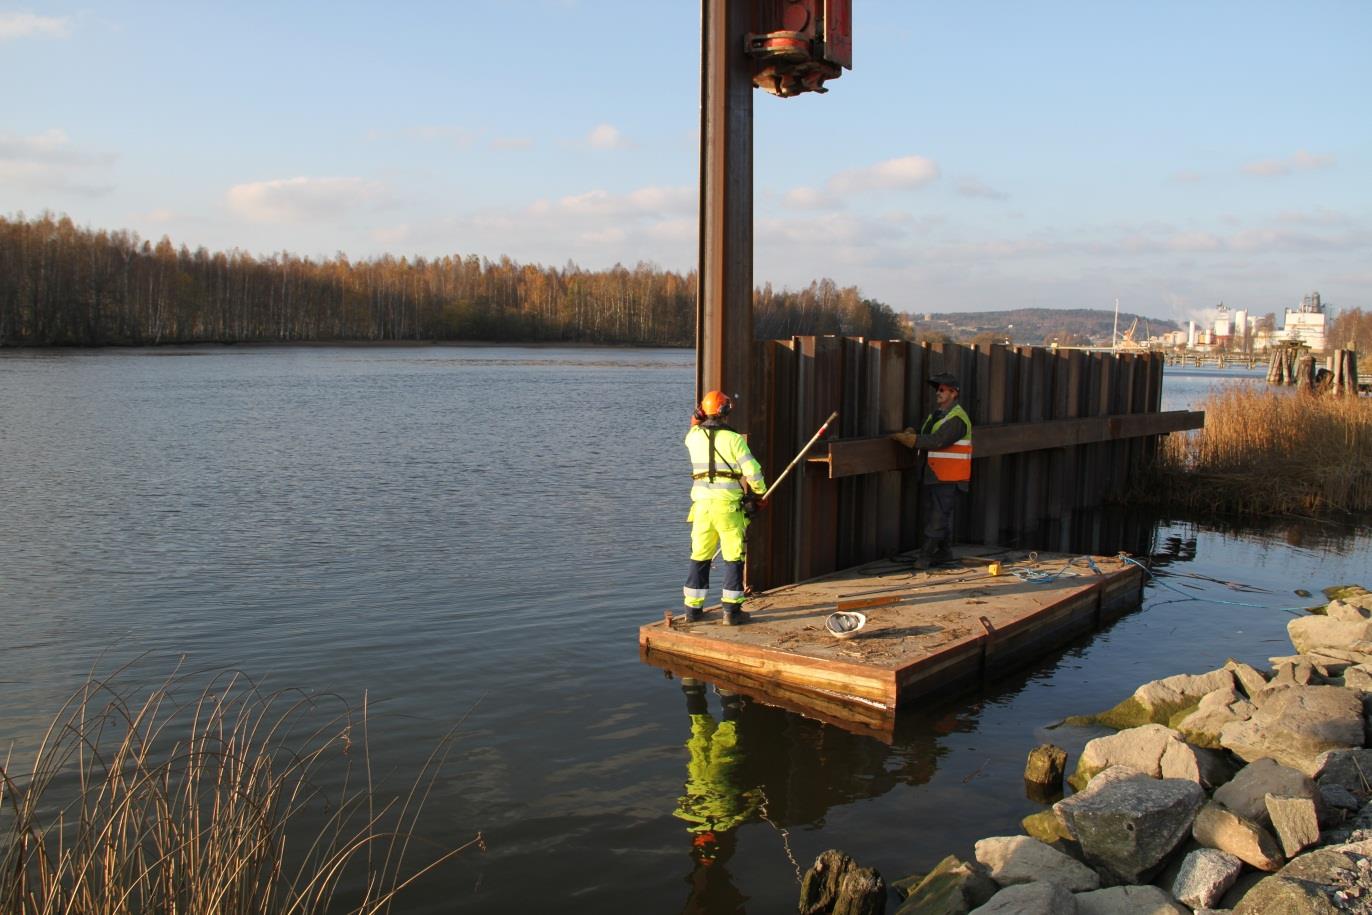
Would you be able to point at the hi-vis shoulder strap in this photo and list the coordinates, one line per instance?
(954, 463)
(713, 472)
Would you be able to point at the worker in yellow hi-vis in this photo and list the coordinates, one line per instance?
(714, 803)
(723, 473)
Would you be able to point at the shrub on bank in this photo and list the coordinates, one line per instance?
(224, 800)
(1269, 452)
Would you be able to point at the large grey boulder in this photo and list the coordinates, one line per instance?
(1295, 670)
(1030, 899)
(1156, 702)
(1020, 859)
(1246, 793)
(1350, 768)
(1296, 725)
(1350, 611)
(1202, 726)
(1336, 878)
(1295, 821)
(1359, 677)
(1127, 822)
(1249, 678)
(1308, 633)
(1206, 875)
(953, 887)
(1129, 900)
(1337, 802)
(1154, 750)
(1216, 826)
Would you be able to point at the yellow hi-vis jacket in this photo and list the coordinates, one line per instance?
(952, 464)
(734, 464)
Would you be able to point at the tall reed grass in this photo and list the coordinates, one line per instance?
(224, 799)
(1269, 452)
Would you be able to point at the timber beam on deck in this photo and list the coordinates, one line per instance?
(854, 456)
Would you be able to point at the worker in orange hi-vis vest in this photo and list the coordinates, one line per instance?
(946, 440)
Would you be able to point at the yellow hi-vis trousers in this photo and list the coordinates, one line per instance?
(716, 525)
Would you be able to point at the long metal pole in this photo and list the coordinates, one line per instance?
(724, 295)
(801, 453)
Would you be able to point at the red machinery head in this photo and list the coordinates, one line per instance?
(797, 44)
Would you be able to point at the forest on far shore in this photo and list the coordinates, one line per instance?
(61, 285)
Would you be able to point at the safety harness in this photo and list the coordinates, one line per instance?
(710, 427)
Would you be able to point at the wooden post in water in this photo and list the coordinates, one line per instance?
(1305, 373)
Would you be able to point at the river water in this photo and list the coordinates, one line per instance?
(472, 536)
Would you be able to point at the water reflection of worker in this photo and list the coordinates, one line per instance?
(714, 803)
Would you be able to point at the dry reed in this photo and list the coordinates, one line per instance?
(1269, 452)
(234, 800)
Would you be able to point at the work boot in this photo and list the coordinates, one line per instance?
(942, 554)
(925, 558)
(695, 697)
(734, 615)
(731, 704)
(693, 614)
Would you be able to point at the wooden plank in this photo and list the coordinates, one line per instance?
(987, 471)
(821, 379)
(852, 416)
(762, 442)
(771, 555)
(916, 373)
(1036, 469)
(891, 357)
(865, 718)
(849, 457)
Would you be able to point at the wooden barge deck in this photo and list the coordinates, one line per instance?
(925, 632)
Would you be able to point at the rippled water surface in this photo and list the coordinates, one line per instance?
(475, 535)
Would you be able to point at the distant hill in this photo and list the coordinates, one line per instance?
(1068, 326)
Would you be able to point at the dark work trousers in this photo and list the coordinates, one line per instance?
(938, 513)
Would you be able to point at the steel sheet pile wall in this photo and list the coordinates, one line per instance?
(1030, 498)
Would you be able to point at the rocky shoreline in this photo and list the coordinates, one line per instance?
(1236, 790)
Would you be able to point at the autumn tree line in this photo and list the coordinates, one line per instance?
(61, 285)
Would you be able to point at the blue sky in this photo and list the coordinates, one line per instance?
(980, 155)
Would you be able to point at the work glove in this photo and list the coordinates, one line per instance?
(906, 438)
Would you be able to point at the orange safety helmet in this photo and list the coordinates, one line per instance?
(716, 403)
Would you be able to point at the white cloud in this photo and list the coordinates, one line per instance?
(892, 174)
(390, 236)
(971, 187)
(51, 147)
(809, 198)
(643, 201)
(48, 161)
(607, 136)
(608, 236)
(302, 199)
(1299, 161)
(459, 137)
(673, 230)
(25, 25)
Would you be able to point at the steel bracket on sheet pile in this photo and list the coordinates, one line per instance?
(786, 47)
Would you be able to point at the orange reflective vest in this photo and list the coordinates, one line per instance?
(954, 463)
